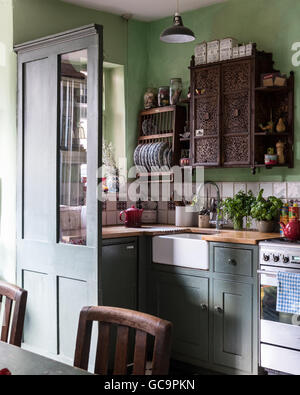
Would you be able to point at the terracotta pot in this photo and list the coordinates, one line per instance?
(265, 226)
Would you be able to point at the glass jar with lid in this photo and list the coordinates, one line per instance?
(164, 96)
(175, 90)
(150, 98)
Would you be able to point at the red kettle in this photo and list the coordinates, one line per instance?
(133, 217)
(291, 230)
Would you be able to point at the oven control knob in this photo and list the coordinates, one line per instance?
(276, 258)
(266, 258)
(286, 259)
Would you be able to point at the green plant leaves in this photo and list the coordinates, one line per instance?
(266, 209)
(246, 205)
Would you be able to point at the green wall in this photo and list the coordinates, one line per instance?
(136, 81)
(124, 44)
(272, 24)
(7, 144)
(37, 18)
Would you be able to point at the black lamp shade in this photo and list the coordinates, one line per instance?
(178, 33)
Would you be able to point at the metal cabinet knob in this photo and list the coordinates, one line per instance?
(204, 307)
(232, 262)
(219, 310)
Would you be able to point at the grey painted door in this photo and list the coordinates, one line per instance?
(183, 300)
(233, 325)
(60, 277)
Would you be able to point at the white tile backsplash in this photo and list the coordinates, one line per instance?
(111, 218)
(227, 190)
(254, 187)
(171, 217)
(280, 190)
(111, 206)
(163, 206)
(293, 190)
(240, 187)
(104, 219)
(268, 189)
(163, 217)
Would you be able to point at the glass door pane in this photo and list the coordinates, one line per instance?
(73, 148)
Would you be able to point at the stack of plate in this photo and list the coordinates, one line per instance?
(153, 157)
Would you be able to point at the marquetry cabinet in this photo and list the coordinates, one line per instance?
(227, 106)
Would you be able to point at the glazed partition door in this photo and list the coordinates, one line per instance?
(59, 215)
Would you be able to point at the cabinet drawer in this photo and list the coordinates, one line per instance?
(238, 261)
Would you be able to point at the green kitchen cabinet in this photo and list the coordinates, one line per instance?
(119, 273)
(232, 325)
(215, 312)
(184, 300)
(234, 307)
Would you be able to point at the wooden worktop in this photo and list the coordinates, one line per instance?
(210, 234)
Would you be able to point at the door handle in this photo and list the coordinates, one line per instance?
(219, 310)
(130, 248)
(204, 307)
(232, 262)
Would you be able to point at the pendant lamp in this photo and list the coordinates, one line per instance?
(178, 33)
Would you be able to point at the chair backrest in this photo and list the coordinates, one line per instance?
(14, 307)
(144, 325)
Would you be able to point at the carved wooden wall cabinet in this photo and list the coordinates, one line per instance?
(228, 104)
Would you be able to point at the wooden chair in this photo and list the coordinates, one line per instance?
(144, 325)
(12, 324)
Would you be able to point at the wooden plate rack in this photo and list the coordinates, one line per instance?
(166, 125)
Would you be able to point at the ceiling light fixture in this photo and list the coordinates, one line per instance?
(178, 33)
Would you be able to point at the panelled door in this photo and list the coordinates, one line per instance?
(233, 334)
(205, 116)
(59, 215)
(236, 105)
(184, 301)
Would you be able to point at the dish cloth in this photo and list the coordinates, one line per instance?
(288, 293)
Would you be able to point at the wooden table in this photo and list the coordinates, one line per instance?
(24, 363)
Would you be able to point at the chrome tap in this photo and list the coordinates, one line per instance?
(214, 204)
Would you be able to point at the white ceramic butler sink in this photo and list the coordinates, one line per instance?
(185, 250)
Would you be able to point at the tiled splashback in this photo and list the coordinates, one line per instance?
(166, 211)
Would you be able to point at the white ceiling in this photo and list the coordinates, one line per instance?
(145, 10)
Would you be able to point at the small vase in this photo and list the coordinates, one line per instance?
(238, 223)
(280, 128)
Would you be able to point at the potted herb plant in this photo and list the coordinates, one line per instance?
(238, 208)
(266, 212)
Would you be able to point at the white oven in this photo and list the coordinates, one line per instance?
(279, 332)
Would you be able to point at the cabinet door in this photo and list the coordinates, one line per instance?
(233, 337)
(119, 276)
(236, 104)
(183, 300)
(205, 116)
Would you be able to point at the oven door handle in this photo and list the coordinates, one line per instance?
(269, 274)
